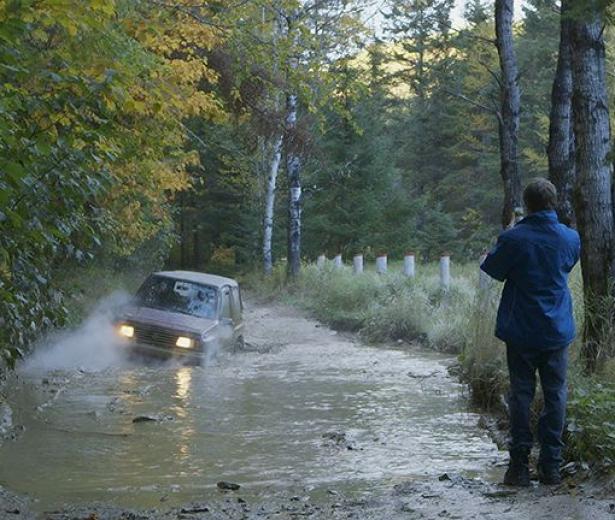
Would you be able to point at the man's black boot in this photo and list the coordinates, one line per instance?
(518, 472)
(549, 475)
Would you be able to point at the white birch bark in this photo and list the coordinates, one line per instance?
(270, 205)
(293, 170)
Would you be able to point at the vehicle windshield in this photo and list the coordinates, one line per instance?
(170, 294)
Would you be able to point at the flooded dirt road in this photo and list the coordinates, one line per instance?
(307, 422)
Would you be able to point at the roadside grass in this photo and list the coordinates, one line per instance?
(459, 321)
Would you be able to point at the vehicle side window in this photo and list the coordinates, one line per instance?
(225, 310)
(236, 304)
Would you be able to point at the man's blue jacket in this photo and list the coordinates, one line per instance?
(535, 258)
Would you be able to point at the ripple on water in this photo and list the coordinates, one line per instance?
(254, 419)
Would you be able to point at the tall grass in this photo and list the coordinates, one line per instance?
(460, 321)
(388, 307)
(383, 307)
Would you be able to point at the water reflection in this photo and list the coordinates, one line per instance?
(258, 420)
(183, 378)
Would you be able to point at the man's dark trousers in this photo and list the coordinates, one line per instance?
(551, 366)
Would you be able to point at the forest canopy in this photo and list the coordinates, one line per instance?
(231, 135)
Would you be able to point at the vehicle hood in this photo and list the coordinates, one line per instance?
(172, 320)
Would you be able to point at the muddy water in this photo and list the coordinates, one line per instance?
(257, 419)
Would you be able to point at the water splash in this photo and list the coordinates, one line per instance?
(93, 346)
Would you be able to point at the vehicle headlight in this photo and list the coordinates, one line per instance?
(184, 342)
(128, 331)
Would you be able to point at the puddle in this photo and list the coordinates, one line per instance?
(256, 419)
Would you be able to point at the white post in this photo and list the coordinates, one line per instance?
(357, 264)
(381, 264)
(445, 272)
(483, 277)
(409, 265)
(320, 262)
(337, 261)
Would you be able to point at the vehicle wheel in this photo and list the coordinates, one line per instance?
(209, 354)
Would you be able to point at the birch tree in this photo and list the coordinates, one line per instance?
(317, 32)
(275, 161)
(270, 191)
(292, 18)
(297, 41)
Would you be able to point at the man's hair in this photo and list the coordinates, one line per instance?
(539, 195)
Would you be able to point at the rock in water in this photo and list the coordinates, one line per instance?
(228, 486)
(145, 418)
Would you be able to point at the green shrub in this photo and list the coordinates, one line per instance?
(591, 420)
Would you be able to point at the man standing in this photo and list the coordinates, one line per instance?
(535, 321)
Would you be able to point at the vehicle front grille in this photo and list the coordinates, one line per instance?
(156, 336)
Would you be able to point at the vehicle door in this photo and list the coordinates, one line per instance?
(227, 332)
(237, 312)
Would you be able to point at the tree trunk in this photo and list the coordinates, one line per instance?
(270, 205)
(293, 170)
(508, 117)
(593, 196)
(561, 130)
